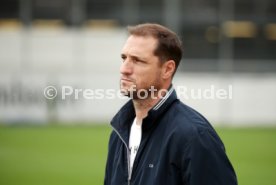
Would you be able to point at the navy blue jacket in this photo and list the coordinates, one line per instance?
(178, 147)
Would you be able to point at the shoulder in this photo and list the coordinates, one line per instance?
(184, 112)
(184, 117)
(188, 125)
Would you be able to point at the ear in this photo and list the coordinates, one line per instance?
(168, 69)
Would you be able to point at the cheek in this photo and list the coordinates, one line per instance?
(143, 75)
(148, 79)
(147, 74)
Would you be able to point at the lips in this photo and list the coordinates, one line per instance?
(126, 79)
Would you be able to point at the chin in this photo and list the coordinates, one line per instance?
(125, 91)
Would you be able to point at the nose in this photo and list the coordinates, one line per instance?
(126, 67)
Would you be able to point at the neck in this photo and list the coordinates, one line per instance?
(142, 106)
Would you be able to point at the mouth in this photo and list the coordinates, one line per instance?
(126, 80)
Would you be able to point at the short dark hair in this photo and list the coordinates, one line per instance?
(169, 46)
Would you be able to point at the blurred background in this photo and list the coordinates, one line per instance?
(77, 43)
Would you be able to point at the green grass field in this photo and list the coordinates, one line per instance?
(70, 155)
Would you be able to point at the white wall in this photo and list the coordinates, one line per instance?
(30, 60)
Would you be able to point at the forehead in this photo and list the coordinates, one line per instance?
(139, 45)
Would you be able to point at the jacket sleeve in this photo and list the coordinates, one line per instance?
(108, 160)
(204, 161)
(106, 175)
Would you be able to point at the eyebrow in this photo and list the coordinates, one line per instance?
(134, 57)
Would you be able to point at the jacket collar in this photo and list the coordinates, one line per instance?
(122, 121)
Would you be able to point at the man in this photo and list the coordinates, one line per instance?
(156, 139)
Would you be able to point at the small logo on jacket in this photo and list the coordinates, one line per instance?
(151, 165)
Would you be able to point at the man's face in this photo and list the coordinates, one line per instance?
(140, 68)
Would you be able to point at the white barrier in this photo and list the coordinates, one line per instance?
(87, 59)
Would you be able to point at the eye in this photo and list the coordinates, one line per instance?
(137, 60)
(123, 58)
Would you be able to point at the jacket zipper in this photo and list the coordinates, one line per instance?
(128, 155)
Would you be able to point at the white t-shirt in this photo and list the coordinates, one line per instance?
(134, 141)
